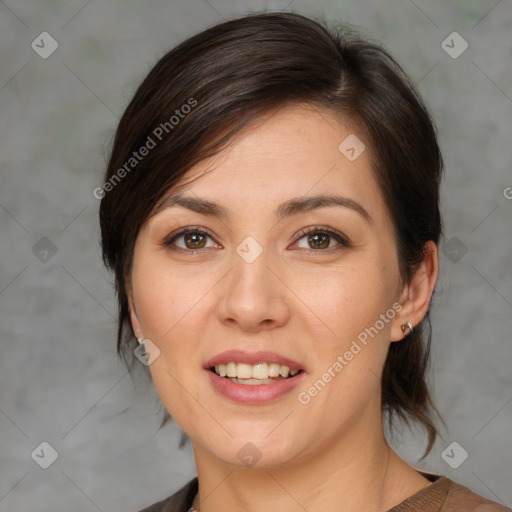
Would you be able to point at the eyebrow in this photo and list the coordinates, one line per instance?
(286, 209)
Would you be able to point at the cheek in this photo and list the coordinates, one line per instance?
(349, 300)
(346, 297)
(168, 297)
(171, 306)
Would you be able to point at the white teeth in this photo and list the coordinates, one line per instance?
(244, 371)
(252, 382)
(231, 369)
(260, 371)
(273, 370)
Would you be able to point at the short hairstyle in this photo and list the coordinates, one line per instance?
(199, 97)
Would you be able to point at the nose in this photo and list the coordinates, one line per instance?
(254, 295)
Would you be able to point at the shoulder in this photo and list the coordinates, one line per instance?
(442, 495)
(445, 495)
(180, 501)
(460, 498)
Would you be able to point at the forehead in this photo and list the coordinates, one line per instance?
(295, 152)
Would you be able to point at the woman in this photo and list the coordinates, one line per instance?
(271, 213)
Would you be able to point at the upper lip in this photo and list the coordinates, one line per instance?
(239, 356)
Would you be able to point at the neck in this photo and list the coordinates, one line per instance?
(356, 472)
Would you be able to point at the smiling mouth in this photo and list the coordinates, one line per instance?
(257, 374)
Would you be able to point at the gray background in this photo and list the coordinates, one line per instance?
(60, 381)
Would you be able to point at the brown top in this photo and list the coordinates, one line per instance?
(442, 495)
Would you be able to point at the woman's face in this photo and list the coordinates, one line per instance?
(270, 267)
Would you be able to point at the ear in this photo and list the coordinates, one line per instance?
(415, 296)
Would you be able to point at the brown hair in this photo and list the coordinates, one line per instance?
(201, 94)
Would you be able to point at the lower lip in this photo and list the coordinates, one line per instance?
(254, 394)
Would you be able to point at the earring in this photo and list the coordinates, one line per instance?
(140, 339)
(407, 328)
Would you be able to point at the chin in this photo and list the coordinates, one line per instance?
(253, 451)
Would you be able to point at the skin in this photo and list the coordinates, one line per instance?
(307, 300)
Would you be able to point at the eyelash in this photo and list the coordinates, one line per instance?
(183, 231)
(341, 239)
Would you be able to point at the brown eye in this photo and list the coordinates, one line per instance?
(194, 240)
(321, 239)
(188, 240)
